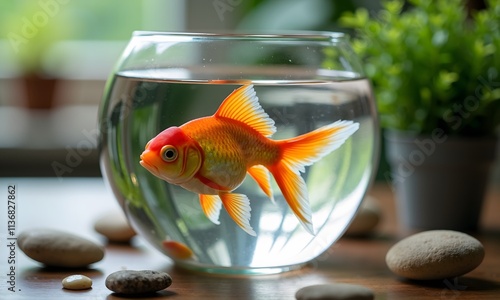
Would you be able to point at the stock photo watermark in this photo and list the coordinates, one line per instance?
(459, 112)
(454, 117)
(452, 289)
(11, 205)
(223, 6)
(84, 148)
(76, 154)
(30, 26)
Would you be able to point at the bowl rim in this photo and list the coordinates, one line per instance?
(237, 35)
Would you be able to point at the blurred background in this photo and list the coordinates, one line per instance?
(55, 56)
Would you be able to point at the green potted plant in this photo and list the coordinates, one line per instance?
(435, 69)
(31, 28)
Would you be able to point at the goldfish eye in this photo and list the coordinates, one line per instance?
(168, 153)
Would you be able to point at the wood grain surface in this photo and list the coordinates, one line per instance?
(74, 204)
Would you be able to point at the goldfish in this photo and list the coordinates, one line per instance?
(212, 155)
(177, 250)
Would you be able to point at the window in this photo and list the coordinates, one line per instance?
(58, 36)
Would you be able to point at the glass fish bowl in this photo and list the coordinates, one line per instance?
(184, 123)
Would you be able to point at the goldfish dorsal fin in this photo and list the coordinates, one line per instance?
(243, 105)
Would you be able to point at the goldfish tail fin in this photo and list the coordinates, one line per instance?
(306, 149)
(238, 208)
(211, 205)
(261, 175)
(302, 151)
(294, 190)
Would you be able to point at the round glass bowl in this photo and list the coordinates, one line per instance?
(303, 81)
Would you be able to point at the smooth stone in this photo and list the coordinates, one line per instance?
(115, 227)
(137, 282)
(57, 248)
(334, 291)
(77, 282)
(366, 219)
(435, 254)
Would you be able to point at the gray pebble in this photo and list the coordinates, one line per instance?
(114, 226)
(59, 249)
(435, 254)
(138, 282)
(366, 219)
(334, 291)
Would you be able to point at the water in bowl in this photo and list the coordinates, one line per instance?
(140, 104)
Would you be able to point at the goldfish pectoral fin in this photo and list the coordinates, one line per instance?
(261, 175)
(243, 105)
(294, 190)
(211, 205)
(238, 208)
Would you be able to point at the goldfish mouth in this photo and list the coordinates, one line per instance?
(155, 171)
(151, 168)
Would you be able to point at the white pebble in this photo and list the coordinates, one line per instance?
(435, 254)
(57, 248)
(77, 282)
(114, 226)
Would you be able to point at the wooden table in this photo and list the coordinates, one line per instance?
(74, 204)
